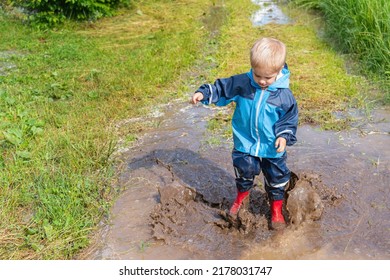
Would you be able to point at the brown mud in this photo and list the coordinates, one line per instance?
(177, 189)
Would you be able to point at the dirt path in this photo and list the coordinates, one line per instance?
(176, 185)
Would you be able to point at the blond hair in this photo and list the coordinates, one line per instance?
(268, 53)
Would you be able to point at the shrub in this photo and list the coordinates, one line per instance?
(53, 12)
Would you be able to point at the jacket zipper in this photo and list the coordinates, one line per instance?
(257, 122)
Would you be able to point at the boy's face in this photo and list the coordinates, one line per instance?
(264, 77)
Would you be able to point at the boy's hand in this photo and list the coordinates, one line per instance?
(198, 96)
(280, 144)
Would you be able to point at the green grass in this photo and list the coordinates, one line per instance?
(59, 103)
(360, 28)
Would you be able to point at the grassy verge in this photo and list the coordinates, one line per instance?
(361, 29)
(61, 92)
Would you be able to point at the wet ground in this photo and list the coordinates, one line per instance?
(177, 184)
(177, 187)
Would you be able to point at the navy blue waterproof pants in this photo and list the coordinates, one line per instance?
(275, 171)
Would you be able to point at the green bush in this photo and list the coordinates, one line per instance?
(53, 12)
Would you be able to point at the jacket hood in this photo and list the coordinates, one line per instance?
(282, 80)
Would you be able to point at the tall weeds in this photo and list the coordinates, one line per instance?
(358, 27)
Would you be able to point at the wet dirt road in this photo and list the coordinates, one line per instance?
(176, 184)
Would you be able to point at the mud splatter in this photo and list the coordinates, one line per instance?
(303, 203)
(185, 218)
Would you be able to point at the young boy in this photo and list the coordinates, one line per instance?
(265, 121)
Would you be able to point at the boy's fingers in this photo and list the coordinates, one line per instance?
(277, 142)
(280, 145)
(196, 98)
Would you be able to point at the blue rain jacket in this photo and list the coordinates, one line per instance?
(260, 115)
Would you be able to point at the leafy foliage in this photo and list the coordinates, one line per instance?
(53, 12)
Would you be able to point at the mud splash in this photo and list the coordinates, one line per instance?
(183, 217)
(303, 202)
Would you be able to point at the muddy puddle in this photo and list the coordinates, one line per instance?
(177, 187)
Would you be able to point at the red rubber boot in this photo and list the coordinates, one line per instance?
(238, 202)
(277, 219)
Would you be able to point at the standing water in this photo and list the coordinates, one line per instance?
(269, 12)
(176, 186)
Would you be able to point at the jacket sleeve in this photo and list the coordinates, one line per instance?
(223, 91)
(287, 125)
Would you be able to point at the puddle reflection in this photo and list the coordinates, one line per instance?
(269, 12)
